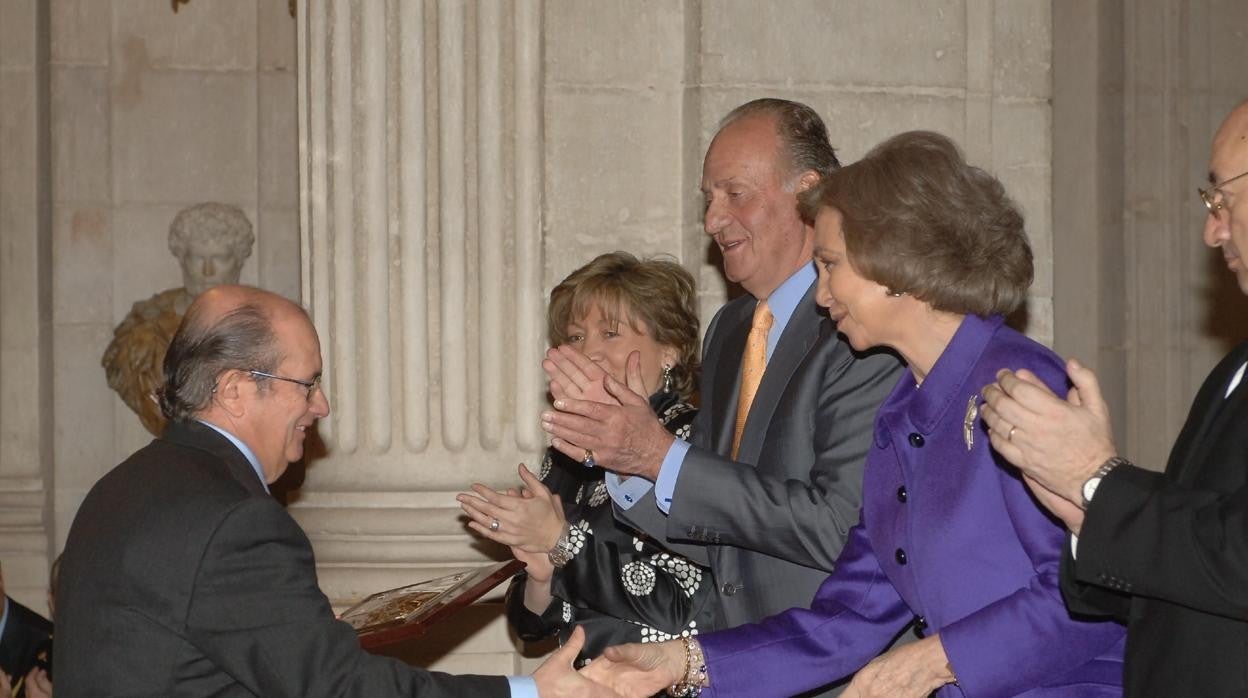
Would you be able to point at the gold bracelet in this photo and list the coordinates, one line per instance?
(694, 675)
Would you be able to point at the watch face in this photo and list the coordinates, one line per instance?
(1089, 488)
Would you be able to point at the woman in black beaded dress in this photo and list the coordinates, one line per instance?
(584, 567)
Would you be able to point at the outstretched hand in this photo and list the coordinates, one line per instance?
(556, 678)
(530, 520)
(1057, 443)
(912, 670)
(638, 670)
(625, 438)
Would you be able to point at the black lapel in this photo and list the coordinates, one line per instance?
(1209, 413)
(193, 434)
(800, 335)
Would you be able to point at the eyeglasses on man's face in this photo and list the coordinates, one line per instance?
(1215, 198)
(312, 386)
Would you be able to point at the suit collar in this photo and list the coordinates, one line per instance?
(945, 386)
(1210, 411)
(193, 434)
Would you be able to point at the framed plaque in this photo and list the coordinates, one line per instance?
(398, 615)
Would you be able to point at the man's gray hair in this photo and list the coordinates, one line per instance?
(202, 350)
(211, 222)
(801, 130)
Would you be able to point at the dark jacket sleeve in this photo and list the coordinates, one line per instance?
(1090, 599)
(258, 614)
(1147, 535)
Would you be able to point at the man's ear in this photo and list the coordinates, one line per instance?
(808, 179)
(230, 391)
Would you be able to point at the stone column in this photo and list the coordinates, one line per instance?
(1139, 88)
(25, 287)
(421, 175)
(1088, 274)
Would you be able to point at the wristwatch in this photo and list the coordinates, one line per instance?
(1090, 485)
(563, 551)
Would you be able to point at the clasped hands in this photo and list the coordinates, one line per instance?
(37, 683)
(1057, 444)
(595, 412)
(529, 520)
(909, 671)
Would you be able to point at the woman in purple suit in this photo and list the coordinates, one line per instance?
(920, 252)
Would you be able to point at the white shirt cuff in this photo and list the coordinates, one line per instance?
(669, 472)
(522, 686)
(626, 493)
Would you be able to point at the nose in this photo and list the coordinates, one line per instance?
(1216, 230)
(593, 349)
(320, 403)
(716, 218)
(822, 297)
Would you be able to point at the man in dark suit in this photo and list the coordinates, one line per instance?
(25, 643)
(772, 481)
(1166, 553)
(182, 576)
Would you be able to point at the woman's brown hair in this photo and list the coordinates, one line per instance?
(655, 292)
(918, 219)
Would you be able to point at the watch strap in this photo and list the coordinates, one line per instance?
(1095, 481)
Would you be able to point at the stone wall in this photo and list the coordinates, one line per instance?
(114, 115)
(153, 111)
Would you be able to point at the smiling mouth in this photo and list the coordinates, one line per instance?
(728, 246)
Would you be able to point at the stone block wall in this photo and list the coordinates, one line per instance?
(634, 91)
(153, 111)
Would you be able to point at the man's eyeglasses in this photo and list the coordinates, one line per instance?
(312, 385)
(1215, 198)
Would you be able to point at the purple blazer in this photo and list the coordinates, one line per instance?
(949, 537)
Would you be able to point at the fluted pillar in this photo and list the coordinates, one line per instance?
(26, 351)
(421, 177)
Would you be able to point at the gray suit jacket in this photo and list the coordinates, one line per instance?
(772, 524)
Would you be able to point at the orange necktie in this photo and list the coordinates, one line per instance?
(752, 366)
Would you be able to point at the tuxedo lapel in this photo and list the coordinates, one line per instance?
(1210, 414)
(192, 434)
(800, 335)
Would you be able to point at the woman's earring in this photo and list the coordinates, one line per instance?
(894, 294)
(667, 378)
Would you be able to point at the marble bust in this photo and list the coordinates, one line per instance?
(211, 242)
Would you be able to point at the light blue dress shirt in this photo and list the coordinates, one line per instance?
(521, 686)
(782, 304)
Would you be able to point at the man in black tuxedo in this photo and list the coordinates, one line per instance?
(25, 641)
(182, 576)
(1165, 553)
